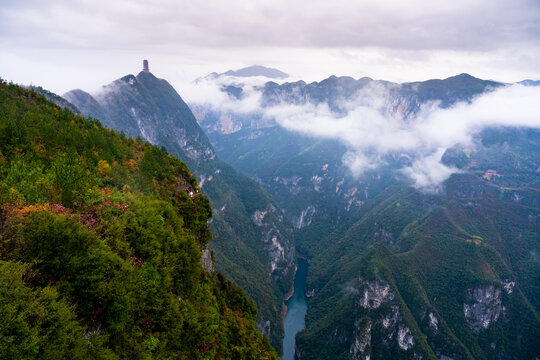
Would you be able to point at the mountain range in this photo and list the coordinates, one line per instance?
(395, 271)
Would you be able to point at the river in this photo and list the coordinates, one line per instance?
(296, 310)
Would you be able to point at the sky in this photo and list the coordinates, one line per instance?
(66, 44)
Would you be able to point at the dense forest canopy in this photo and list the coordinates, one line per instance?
(100, 246)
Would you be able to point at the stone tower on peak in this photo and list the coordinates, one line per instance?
(145, 66)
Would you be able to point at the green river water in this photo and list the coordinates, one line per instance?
(296, 310)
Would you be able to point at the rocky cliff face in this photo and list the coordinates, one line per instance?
(360, 347)
(148, 107)
(386, 324)
(485, 307)
(277, 244)
(207, 260)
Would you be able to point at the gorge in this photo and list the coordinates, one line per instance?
(396, 270)
(296, 310)
(270, 180)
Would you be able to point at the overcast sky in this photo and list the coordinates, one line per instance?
(65, 44)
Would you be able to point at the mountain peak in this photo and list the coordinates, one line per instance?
(257, 70)
(462, 76)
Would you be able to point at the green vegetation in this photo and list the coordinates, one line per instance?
(149, 107)
(441, 249)
(100, 247)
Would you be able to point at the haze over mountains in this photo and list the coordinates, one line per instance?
(412, 118)
(417, 204)
(310, 180)
(390, 264)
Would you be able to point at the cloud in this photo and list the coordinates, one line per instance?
(371, 132)
(368, 129)
(413, 24)
(428, 173)
(208, 91)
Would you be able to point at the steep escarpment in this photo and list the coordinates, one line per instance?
(253, 241)
(101, 239)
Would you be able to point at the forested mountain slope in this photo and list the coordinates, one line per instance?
(253, 240)
(451, 276)
(101, 239)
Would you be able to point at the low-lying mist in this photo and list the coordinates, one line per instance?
(371, 130)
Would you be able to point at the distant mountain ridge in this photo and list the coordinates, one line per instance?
(402, 98)
(530, 82)
(396, 273)
(255, 70)
(402, 101)
(290, 164)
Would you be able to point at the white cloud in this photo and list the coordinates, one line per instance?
(428, 173)
(412, 24)
(208, 92)
(370, 132)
